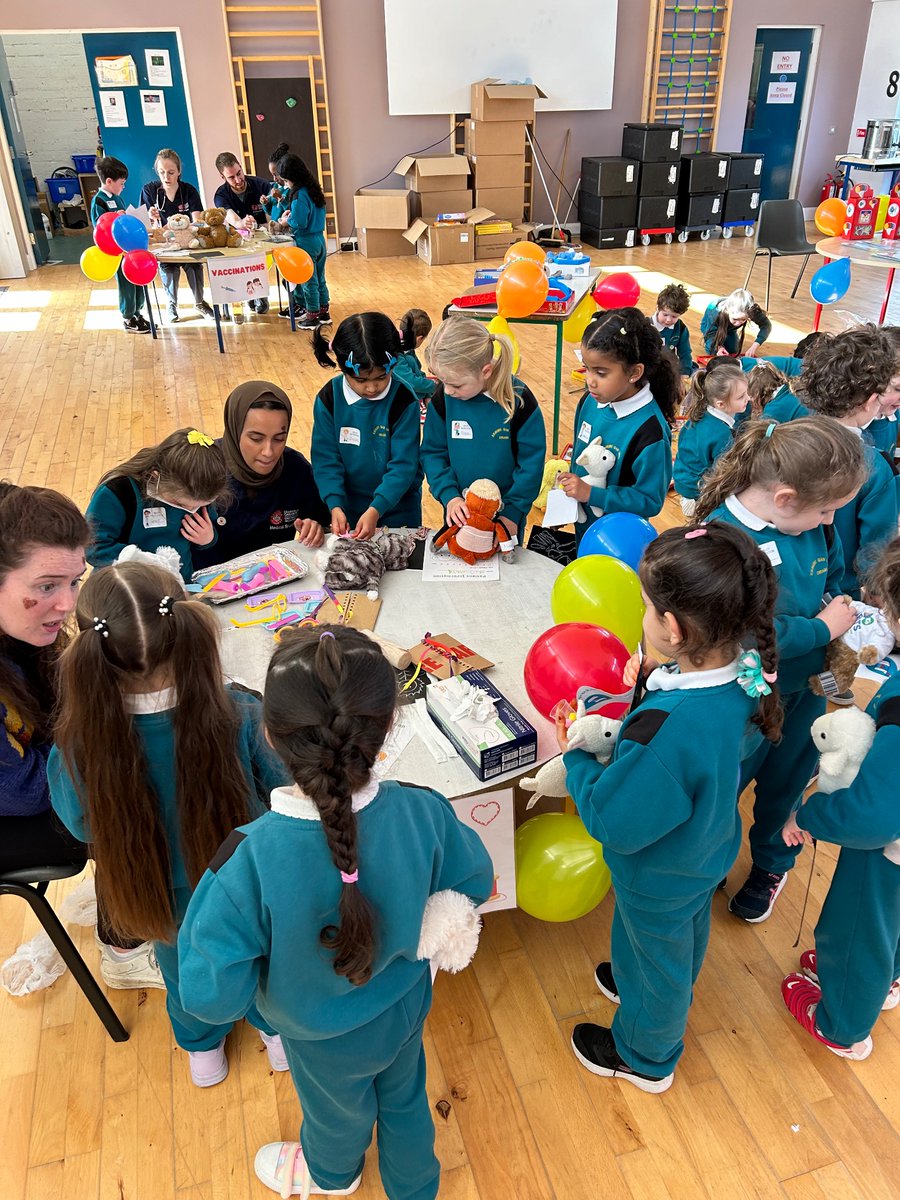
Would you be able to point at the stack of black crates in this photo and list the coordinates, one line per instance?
(607, 201)
(701, 194)
(657, 147)
(742, 198)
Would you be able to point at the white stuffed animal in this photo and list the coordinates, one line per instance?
(166, 557)
(594, 734)
(598, 461)
(843, 740)
(450, 929)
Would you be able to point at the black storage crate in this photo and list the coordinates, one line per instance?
(704, 173)
(659, 179)
(699, 211)
(746, 171)
(741, 205)
(605, 176)
(607, 239)
(607, 212)
(656, 212)
(652, 141)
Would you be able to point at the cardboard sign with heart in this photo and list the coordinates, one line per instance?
(491, 815)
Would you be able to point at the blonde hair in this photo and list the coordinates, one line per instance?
(737, 304)
(465, 343)
(708, 386)
(820, 459)
(161, 154)
(763, 382)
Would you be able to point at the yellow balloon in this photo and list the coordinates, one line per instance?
(500, 327)
(604, 592)
(99, 267)
(575, 325)
(883, 202)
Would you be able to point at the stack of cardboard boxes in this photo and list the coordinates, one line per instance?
(382, 215)
(495, 144)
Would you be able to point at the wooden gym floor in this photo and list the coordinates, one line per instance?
(757, 1110)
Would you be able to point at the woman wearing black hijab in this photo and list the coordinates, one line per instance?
(274, 494)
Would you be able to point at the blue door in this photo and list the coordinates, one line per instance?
(21, 164)
(775, 104)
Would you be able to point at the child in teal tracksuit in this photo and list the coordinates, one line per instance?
(415, 326)
(162, 496)
(304, 215)
(771, 484)
(716, 399)
(365, 439)
(854, 971)
(843, 378)
(723, 325)
(666, 815)
(113, 175)
(314, 913)
(671, 305)
(631, 400)
(482, 423)
(155, 762)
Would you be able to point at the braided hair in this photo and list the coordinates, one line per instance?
(329, 702)
(721, 589)
(626, 335)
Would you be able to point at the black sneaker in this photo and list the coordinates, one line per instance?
(756, 899)
(133, 325)
(300, 314)
(173, 313)
(325, 316)
(309, 321)
(142, 323)
(595, 1049)
(260, 306)
(603, 977)
(843, 699)
(205, 311)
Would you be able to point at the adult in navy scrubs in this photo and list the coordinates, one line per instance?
(274, 495)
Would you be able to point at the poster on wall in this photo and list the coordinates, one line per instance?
(781, 93)
(785, 62)
(116, 71)
(113, 111)
(159, 68)
(492, 816)
(153, 108)
(238, 278)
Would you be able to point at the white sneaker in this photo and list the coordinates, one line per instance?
(277, 1057)
(282, 1167)
(135, 968)
(893, 997)
(208, 1067)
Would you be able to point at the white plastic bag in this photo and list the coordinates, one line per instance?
(35, 965)
(80, 906)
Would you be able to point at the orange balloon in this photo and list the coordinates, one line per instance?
(522, 288)
(830, 216)
(294, 264)
(525, 250)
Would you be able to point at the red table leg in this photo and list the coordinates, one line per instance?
(818, 317)
(887, 296)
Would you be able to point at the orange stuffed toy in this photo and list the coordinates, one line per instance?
(482, 535)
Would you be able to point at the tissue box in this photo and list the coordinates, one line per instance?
(506, 742)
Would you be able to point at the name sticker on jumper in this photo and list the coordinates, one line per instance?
(349, 435)
(154, 518)
(461, 429)
(770, 550)
(584, 433)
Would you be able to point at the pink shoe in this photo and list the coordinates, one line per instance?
(808, 967)
(277, 1057)
(802, 999)
(208, 1067)
(282, 1167)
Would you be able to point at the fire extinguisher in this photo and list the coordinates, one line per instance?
(832, 186)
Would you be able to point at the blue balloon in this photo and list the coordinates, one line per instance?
(129, 233)
(618, 535)
(830, 283)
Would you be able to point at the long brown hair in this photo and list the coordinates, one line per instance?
(721, 589)
(884, 581)
(820, 459)
(763, 382)
(195, 467)
(148, 628)
(31, 518)
(328, 705)
(709, 386)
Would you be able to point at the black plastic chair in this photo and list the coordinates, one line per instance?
(781, 233)
(31, 884)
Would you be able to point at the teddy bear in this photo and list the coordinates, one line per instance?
(348, 565)
(843, 740)
(598, 460)
(867, 642)
(482, 535)
(156, 237)
(213, 233)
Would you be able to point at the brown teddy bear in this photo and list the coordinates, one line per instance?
(214, 234)
(866, 643)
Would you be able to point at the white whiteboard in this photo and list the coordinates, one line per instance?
(437, 48)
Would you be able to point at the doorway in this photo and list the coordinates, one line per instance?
(25, 184)
(778, 105)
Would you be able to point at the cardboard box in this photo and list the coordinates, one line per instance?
(383, 208)
(505, 202)
(434, 172)
(496, 101)
(498, 171)
(383, 243)
(429, 205)
(494, 137)
(501, 743)
(493, 245)
(442, 245)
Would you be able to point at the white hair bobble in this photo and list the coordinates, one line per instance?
(165, 606)
(101, 626)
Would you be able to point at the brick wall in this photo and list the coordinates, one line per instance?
(53, 95)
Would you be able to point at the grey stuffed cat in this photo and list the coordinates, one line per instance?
(352, 566)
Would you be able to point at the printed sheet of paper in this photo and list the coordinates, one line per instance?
(112, 110)
(447, 568)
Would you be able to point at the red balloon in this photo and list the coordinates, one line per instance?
(576, 655)
(619, 290)
(103, 238)
(139, 267)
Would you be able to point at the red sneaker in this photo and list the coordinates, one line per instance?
(802, 999)
(808, 967)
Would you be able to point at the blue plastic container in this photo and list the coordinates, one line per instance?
(84, 163)
(63, 189)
